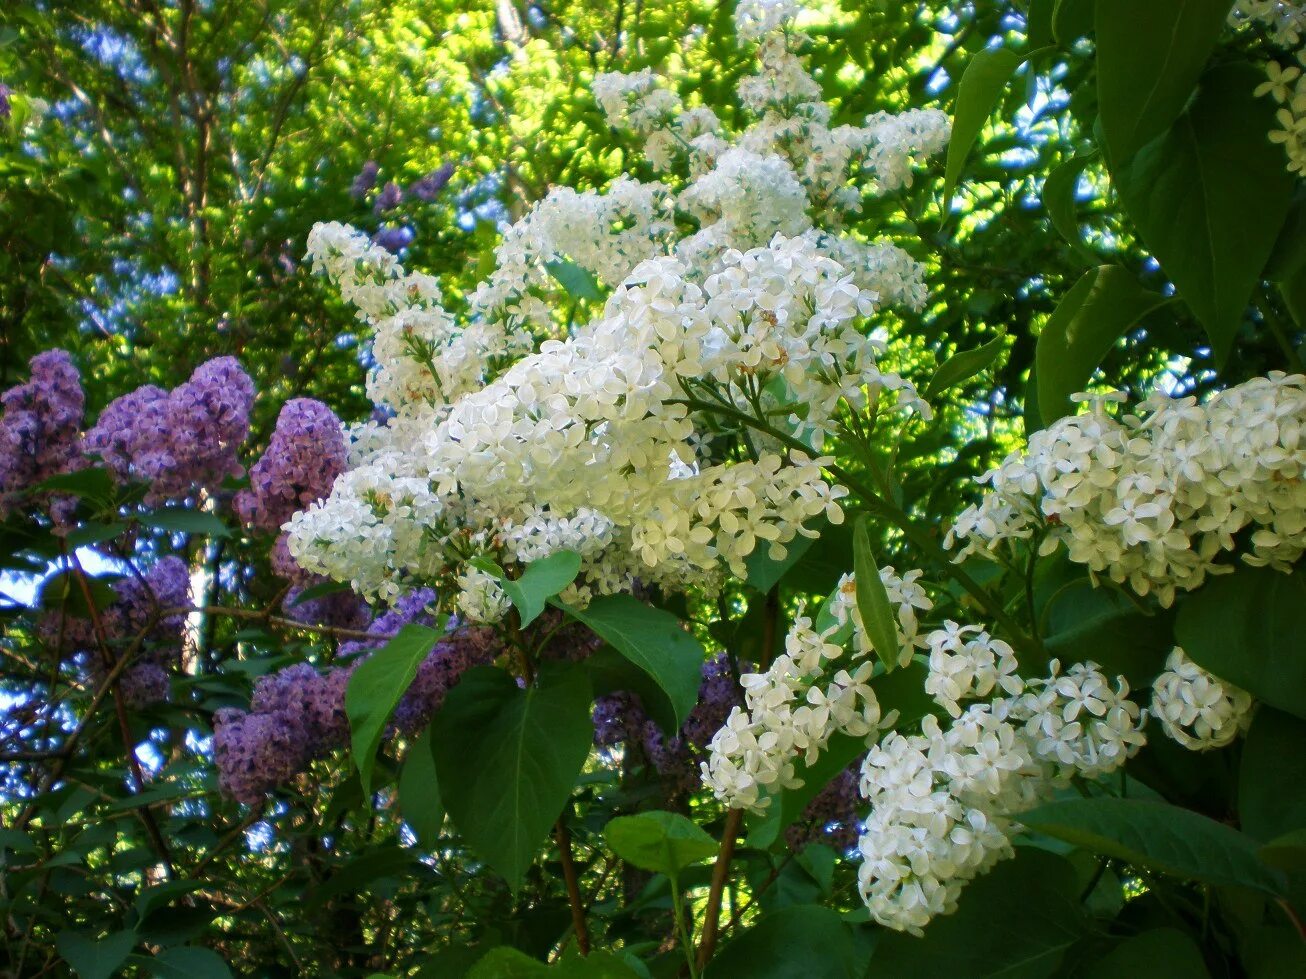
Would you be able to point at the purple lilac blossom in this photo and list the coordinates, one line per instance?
(306, 453)
(40, 431)
(298, 714)
(831, 816)
(621, 717)
(394, 240)
(338, 610)
(145, 684)
(182, 439)
(429, 187)
(5, 107)
(365, 180)
(389, 198)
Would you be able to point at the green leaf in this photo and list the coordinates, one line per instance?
(419, 792)
(978, 92)
(661, 842)
(1286, 852)
(1209, 196)
(964, 365)
(505, 962)
(580, 283)
(1249, 628)
(320, 590)
(1071, 20)
(1017, 921)
(93, 483)
(651, 639)
(540, 581)
(161, 895)
(1098, 310)
(1272, 775)
(177, 520)
(764, 572)
(878, 617)
(1059, 201)
(188, 962)
(797, 942)
(358, 872)
(95, 958)
(1162, 953)
(507, 759)
(1157, 835)
(610, 672)
(1149, 57)
(375, 689)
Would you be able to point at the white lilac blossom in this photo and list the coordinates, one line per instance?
(940, 802)
(1157, 498)
(512, 432)
(1078, 722)
(1197, 709)
(1285, 20)
(1287, 86)
(966, 663)
(810, 692)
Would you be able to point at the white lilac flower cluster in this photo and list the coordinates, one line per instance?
(1154, 499)
(811, 691)
(943, 802)
(1284, 20)
(1287, 86)
(515, 434)
(1197, 709)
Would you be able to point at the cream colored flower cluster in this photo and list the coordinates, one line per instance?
(810, 692)
(515, 435)
(1158, 499)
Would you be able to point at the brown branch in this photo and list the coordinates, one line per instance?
(563, 837)
(720, 874)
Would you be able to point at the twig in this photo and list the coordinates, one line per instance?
(563, 836)
(720, 874)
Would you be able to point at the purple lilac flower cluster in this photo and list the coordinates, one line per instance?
(338, 610)
(831, 817)
(306, 453)
(6, 108)
(136, 609)
(298, 714)
(395, 238)
(182, 439)
(621, 718)
(40, 432)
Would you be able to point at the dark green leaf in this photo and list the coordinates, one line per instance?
(978, 93)
(540, 581)
(580, 283)
(651, 639)
(878, 616)
(188, 962)
(1249, 628)
(507, 759)
(1209, 196)
(662, 842)
(161, 895)
(1286, 852)
(176, 520)
(1272, 775)
(1072, 19)
(1098, 310)
(1017, 921)
(610, 672)
(375, 689)
(1158, 836)
(507, 963)
(358, 872)
(1059, 201)
(95, 958)
(419, 792)
(1149, 57)
(93, 483)
(1162, 953)
(797, 942)
(964, 365)
(764, 572)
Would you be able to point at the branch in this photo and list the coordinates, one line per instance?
(563, 837)
(720, 874)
